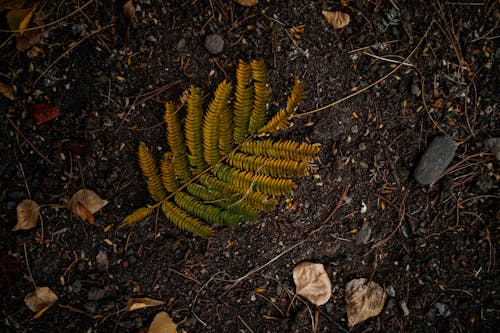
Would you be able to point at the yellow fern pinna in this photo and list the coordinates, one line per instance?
(222, 168)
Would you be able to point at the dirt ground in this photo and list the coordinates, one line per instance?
(360, 213)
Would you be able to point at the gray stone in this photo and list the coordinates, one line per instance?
(102, 262)
(363, 236)
(96, 294)
(493, 144)
(214, 44)
(435, 159)
(443, 309)
(76, 286)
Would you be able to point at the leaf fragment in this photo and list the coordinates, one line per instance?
(336, 19)
(18, 19)
(162, 323)
(43, 113)
(364, 300)
(40, 298)
(129, 12)
(85, 203)
(312, 282)
(7, 90)
(247, 3)
(28, 212)
(141, 303)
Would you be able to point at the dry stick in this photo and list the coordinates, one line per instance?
(394, 70)
(334, 211)
(71, 49)
(28, 141)
(28, 265)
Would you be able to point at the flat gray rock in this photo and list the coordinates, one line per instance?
(214, 44)
(435, 159)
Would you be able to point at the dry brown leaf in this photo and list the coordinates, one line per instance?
(85, 203)
(312, 281)
(7, 90)
(364, 300)
(18, 19)
(162, 323)
(40, 298)
(336, 19)
(141, 303)
(129, 12)
(28, 39)
(247, 3)
(28, 212)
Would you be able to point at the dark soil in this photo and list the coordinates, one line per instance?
(434, 246)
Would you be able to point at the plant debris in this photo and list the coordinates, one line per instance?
(312, 282)
(141, 303)
(85, 203)
(40, 298)
(28, 213)
(336, 19)
(364, 300)
(162, 323)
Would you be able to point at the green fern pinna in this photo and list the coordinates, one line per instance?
(225, 164)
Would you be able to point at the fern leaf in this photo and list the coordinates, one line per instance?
(274, 167)
(210, 123)
(281, 120)
(150, 171)
(289, 150)
(175, 139)
(225, 125)
(245, 180)
(193, 127)
(262, 95)
(167, 170)
(136, 216)
(209, 213)
(243, 101)
(183, 220)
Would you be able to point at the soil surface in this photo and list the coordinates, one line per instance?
(361, 213)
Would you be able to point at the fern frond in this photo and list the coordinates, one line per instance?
(262, 95)
(193, 127)
(245, 180)
(224, 201)
(258, 200)
(289, 150)
(225, 120)
(281, 120)
(176, 142)
(167, 170)
(183, 220)
(136, 216)
(243, 101)
(150, 171)
(274, 167)
(209, 213)
(211, 151)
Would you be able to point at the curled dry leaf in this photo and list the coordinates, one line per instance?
(141, 303)
(364, 300)
(336, 19)
(247, 3)
(28, 212)
(312, 282)
(40, 298)
(162, 323)
(85, 203)
(7, 90)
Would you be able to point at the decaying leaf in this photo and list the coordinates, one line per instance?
(364, 300)
(312, 282)
(336, 19)
(18, 19)
(247, 3)
(85, 203)
(40, 298)
(43, 112)
(7, 90)
(141, 303)
(129, 12)
(162, 323)
(28, 212)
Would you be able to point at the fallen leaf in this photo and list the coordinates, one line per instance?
(162, 323)
(40, 298)
(28, 39)
(312, 281)
(364, 300)
(28, 212)
(18, 19)
(10, 269)
(11, 4)
(247, 3)
(85, 203)
(7, 90)
(129, 12)
(43, 113)
(141, 303)
(336, 19)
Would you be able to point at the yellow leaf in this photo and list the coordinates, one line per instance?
(364, 300)
(28, 212)
(141, 303)
(312, 282)
(337, 19)
(162, 323)
(85, 203)
(18, 19)
(7, 90)
(39, 299)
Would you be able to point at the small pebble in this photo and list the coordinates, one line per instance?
(435, 159)
(96, 294)
(76, 286)
(404, 307)
(363, 236)
(493, 144)
(390, 291)
(214, 44)
(102, 262)
(415, 90)
(443, 309)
